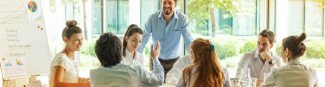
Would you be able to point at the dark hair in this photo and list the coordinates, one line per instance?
(174, 1)
(269, 34)
(295, 45)
(70, 29)
(108, 49)
(133, 28)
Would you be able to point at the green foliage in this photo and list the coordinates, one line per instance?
(147, 49)
(249, 45)
(92, 47)
(320, 3)
(226, 46)
(53, 4)
(315, 49)
(278, 48)
(231, 62)
(314, 63)
(199, 10)
(88, 61)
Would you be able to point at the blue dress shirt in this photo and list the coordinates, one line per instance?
(169, 35)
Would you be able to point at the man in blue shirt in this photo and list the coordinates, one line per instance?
(167, 26)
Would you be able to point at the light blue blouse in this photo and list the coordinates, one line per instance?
(123, 75)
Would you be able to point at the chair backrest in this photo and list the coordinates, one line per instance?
(36, 83)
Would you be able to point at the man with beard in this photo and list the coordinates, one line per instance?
(167, 26)
(260, 60)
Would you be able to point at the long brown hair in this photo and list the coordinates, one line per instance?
(133, 28)
(210, 72)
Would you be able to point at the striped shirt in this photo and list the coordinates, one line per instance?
(294, 74)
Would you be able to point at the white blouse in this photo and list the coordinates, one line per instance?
(128, 59)
(294, 74)
(175, 73)
(71, 67)
(194, 76)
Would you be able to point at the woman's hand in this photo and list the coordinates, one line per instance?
(258, 82)
(154, 53)
(83, 80)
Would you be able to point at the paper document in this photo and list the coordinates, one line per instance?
(14, 66)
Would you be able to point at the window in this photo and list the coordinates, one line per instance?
(313, 19)
(304, 16)
(236, 26)
(96, 19)
(295, 17)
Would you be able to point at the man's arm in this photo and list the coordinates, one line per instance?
(243, 63)
(146, 34)
(186, 33)
(156, 78)
(175, 73)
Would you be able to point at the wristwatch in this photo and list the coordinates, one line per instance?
(271, 62)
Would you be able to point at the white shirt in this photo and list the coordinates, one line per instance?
(128, 59)
(71, 67)
(180, 83)
(294, 74)
(257, 69)
(174, 74)
(123, 75)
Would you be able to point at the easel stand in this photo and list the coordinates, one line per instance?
(15, 81)
(6, 83)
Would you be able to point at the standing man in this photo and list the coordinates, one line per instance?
(260, 60)
(167, 26)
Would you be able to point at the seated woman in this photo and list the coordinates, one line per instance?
(65, 65)
(113, 73)
(205, 70)
(131, 42)
(294, 74)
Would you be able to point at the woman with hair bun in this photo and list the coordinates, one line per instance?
(294, 74)
(64, 68)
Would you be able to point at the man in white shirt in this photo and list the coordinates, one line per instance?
(260, 60)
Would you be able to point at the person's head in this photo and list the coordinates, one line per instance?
(132, 38)
(293, 47)
(210, 72)
(108, 49)
(168, 6)
(72, 36)
(265, 40)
